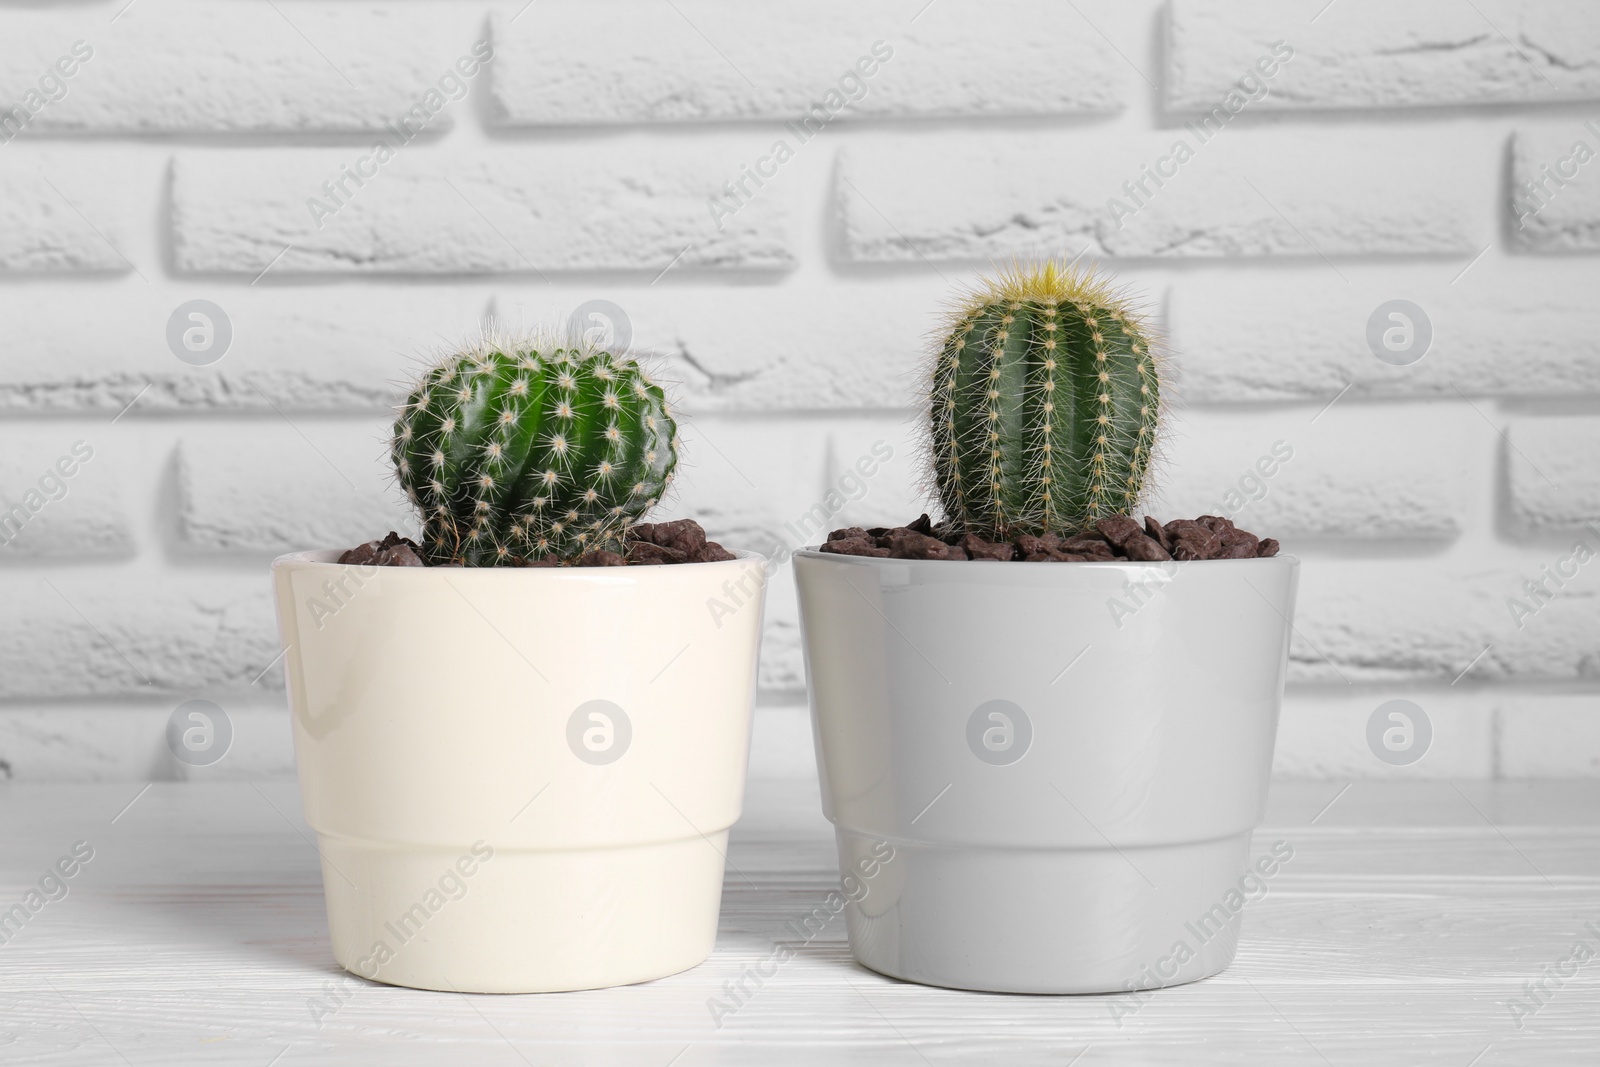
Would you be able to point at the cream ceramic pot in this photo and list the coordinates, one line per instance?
(521, 780)
(1065, 761)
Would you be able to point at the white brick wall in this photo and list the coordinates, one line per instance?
(638, 61)
(182, 66)
(627, 151)
(275, 487)
(1337, 478)
(1555, 194)
(1381, 54)
(1528, 332)
(81, 509)
(1245, 193)
(78, 635)
(1553, 474)
(46, 208)
(510, 210)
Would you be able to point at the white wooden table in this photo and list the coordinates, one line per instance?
(1410, 917)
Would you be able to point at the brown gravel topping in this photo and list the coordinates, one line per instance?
(1118, 537)
(392, 551)
(649, 543)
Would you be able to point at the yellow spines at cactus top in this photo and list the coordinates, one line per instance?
(1044, 402)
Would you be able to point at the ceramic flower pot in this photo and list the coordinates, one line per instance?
(521, 780)
(1066, 760)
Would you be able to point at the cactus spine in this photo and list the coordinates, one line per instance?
(525, 450)
(1043, 404)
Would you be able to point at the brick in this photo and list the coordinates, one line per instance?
(98, 635)
(1255, 336)
(1408, 620)
(516, 210)
(277, 487)
(80, 742)
(303, 66)
(1377, 54)
(61, 494)
(1555, 193)
(769, 349)
(1553, 484)
(655, 65)
(1281, 475)
(303, 350)
(1549, 735)
(1315, 194)
(298, 350)
(1323, 735)
(55, 221)
(262, 748)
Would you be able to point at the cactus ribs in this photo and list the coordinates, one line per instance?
(532, 449)
(1117, 537)
(1044, 406)
(1044, 403)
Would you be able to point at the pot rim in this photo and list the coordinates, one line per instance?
(816, 553)
(318, 558)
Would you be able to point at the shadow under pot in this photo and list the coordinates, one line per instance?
(521, 779)
(1043, 777)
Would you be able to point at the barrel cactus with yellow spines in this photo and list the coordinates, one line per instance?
(523, 450)
(1043, 404)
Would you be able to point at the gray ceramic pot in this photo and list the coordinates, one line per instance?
(1063, 761)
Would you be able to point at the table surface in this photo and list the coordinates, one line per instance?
(1407, 929)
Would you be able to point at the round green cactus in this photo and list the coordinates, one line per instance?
(1043, 404)
(515, 451)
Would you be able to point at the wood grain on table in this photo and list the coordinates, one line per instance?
(1411, 923)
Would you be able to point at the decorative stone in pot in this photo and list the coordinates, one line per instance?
(1060, 720)
(521, 763)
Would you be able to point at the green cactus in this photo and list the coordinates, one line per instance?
(1043, 404)
(527, 450)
